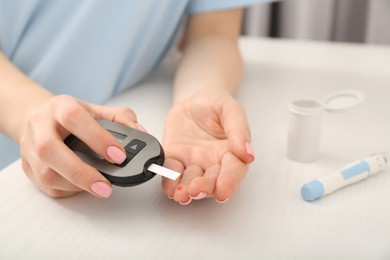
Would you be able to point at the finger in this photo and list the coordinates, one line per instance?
(82, 175)
(28, 171)
(237, 129)
(59, 193)
(54, 193)
(78, 121)
(50, 179)
(46, 177)
(124, 115)
(204, 186)
(57, 156)
(181, 193)
(169, 186)
(233, 170)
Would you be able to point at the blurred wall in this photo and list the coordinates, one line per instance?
(365, 21)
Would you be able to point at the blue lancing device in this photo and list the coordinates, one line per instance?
(352, 173)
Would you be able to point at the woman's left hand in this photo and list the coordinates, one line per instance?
(207, 139)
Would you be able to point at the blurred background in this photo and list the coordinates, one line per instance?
(357, 21)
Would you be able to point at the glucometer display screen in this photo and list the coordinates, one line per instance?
(118, 136)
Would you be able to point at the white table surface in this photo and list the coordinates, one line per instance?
(266, 219)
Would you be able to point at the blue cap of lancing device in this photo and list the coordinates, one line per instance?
(312, 190)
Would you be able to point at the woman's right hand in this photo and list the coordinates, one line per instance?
(53, 166)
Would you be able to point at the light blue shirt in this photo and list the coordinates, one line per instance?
(92, 49)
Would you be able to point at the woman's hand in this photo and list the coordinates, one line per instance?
(207, 136)
(55, 168)
(207, 139)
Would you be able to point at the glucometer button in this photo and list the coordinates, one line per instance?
(129, 157)
(132, 148)
(135, 146)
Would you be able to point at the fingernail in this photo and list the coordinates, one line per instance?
(200, 196)
(249, 149)
(132, 125)
(221, 201)
(186, 203)
(116, 154)
(102, 189)
(141, 128)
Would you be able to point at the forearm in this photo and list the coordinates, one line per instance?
(18, 96)
(211, 57)
(208, 63)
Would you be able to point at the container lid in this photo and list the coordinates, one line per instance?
(343, 100)
(306, 107)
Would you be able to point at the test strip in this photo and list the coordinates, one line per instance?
(165, 172)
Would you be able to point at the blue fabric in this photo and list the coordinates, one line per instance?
(196, 6)
(92, 49)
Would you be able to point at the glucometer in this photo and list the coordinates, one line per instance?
(144, 156)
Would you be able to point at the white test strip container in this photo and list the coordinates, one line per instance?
(305, 127)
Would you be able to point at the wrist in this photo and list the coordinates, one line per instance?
(20, 108)
(18, 95)
(187, 93)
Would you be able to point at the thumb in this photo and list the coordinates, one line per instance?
(237, 130)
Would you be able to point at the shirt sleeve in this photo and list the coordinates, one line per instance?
(198, 6)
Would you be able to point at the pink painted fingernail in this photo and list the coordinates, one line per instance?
(200, 196)
(186, 203)
(221, 201)
(116, 154)
(141, 128)
(102, 189)
(249, 149)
